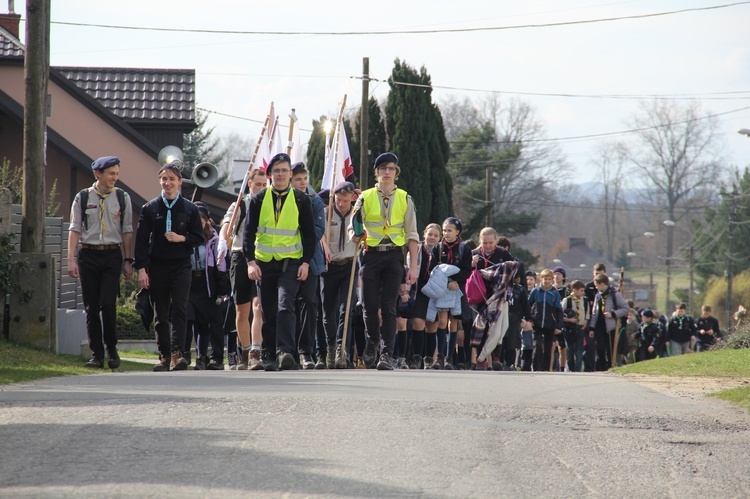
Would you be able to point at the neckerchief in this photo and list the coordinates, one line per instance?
(449, 249)
(577, 308)
(102, 197)
(602, 300)
(280, 195)
(342, 226)
(169, 209)
(680, 319)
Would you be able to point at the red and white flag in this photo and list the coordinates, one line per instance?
(340, 153)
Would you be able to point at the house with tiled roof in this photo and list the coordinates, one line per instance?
(127, 112)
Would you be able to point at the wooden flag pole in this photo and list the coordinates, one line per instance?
(273, 132)
(352, 276)
(336, 138)
(234, 220)
(290, 142)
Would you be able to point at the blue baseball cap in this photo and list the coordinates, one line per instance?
(105, 162)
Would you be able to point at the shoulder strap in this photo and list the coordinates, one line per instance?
(121, 201)
(243, 211)
(85, 201)
(568, 303)
(84, 194)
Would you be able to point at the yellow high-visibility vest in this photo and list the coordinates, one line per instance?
(278, 240)
(378, 226)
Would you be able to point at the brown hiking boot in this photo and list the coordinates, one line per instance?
(162, 366)
(244, 360)
(254, 361)
(179, 363)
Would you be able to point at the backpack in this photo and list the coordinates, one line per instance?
(85, 201)
(476, 290)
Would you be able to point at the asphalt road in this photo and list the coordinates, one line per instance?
(366, 434)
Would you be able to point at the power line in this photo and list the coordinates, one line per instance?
(554, 139)
(704, 95)
(403, 32)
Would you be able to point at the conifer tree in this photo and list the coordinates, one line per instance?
(417, 136)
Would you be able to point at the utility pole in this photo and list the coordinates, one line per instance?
(668, 260)
(488, 194)
(692, 286)
(36, 75)
(364, 121)
(730, 250)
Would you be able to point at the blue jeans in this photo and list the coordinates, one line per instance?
(574, 341)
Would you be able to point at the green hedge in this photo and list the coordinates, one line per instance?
(130, 326)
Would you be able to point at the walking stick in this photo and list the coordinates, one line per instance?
(617, 322)
(349, 301)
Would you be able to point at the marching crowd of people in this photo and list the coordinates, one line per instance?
(295, 279)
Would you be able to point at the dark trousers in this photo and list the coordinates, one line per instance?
(604, 342)
(335, 289)
(308, 300)
(169, 288)
(205, 323)
(643, 354)
(206, 334)
(100, 283)
(278, 291)
(574, 342)
(358, 328)
(382, 273)
(543, 339)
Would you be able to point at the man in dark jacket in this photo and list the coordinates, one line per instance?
(609, 305)
(708, 330)
(547, 310)
(680, 331)
(279, 243)
(647, 337)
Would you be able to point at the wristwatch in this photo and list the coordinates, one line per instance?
(129, 260)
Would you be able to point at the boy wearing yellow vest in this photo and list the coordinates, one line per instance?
(278, 244)
(386, 218)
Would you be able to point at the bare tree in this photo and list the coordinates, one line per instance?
(609, 160)
(459, 116)
(539, 164)
(678, 150)
(233, 146)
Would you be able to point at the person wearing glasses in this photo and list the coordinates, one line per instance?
(279, 243)
(385, 216)
(168, 229)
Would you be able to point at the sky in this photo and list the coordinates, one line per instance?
(699, 54)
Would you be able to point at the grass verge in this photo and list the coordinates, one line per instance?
(738, 396)
(727, 362)
(730, 363)
(18, 363)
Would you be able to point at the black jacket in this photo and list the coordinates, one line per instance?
(680, 329)
(461, 258)
(706, 323)
(150, 242)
